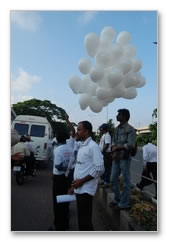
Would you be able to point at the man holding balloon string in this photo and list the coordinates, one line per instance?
(123, 141)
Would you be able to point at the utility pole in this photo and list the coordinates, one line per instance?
(107, 113)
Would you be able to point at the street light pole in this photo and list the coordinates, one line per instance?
(107, 113)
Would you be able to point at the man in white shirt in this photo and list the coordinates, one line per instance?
(89, 167)
(150, 166)
(105, 147)
(63, 158)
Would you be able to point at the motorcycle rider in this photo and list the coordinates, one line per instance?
(20, 149)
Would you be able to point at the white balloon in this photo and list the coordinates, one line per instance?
(136, 65)
(141, 82)
(96, 74)
(84, 65)
(129, 51)
(86, 82)
(104, 82)
(105, 43)
(91, 43)
(91, 89)
(95, 104)
(75, 83)
(84, 100)
(130, 80)
(124, 65)
(103, 93)
(107, 33)
(107, 101)
(104, 57)
(119, 91)
(123, 38)
(115, 77)
(130, 93)
(117, 51)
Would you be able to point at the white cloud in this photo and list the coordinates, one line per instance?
(16, 99)
(87, 17)
(23, 82)
(27, 20)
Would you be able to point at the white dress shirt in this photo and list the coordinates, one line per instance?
(149, 153)
(89, 162)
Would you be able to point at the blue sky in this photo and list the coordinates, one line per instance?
(47, 45)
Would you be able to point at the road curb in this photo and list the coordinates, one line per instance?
(120, 219)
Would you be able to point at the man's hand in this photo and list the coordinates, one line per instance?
(145, 167)
(77, 183)
(71, 191)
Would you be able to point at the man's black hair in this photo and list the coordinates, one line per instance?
(87, 125)
(62, 135)
(125, 113)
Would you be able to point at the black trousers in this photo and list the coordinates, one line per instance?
(107, 165)
(151, 169)
(61, 210)
(84, 210)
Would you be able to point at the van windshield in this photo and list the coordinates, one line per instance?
(37, 131)
(22, 129)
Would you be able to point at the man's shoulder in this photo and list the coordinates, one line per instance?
(92, 143)
(129, 128)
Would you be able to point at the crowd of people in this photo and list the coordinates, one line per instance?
(80, 165)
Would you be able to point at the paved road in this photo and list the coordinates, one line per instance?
(31, 204)
(32, 209)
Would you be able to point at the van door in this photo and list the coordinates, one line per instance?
(38, 133)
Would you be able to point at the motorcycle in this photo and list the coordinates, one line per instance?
(20, 169)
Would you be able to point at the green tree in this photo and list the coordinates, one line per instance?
(43, 108)
(111, 127)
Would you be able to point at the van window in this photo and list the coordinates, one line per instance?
(37, 131)
(22, 129)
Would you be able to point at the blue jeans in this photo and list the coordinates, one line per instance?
(121, 167)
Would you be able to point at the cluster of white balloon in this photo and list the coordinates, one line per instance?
(115, 73)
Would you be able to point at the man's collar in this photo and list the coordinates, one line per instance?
(86, 141)
(123, 126)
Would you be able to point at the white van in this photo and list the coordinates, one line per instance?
(40, 131)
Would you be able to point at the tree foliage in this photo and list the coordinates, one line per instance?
(43, 108)
(142, 139)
